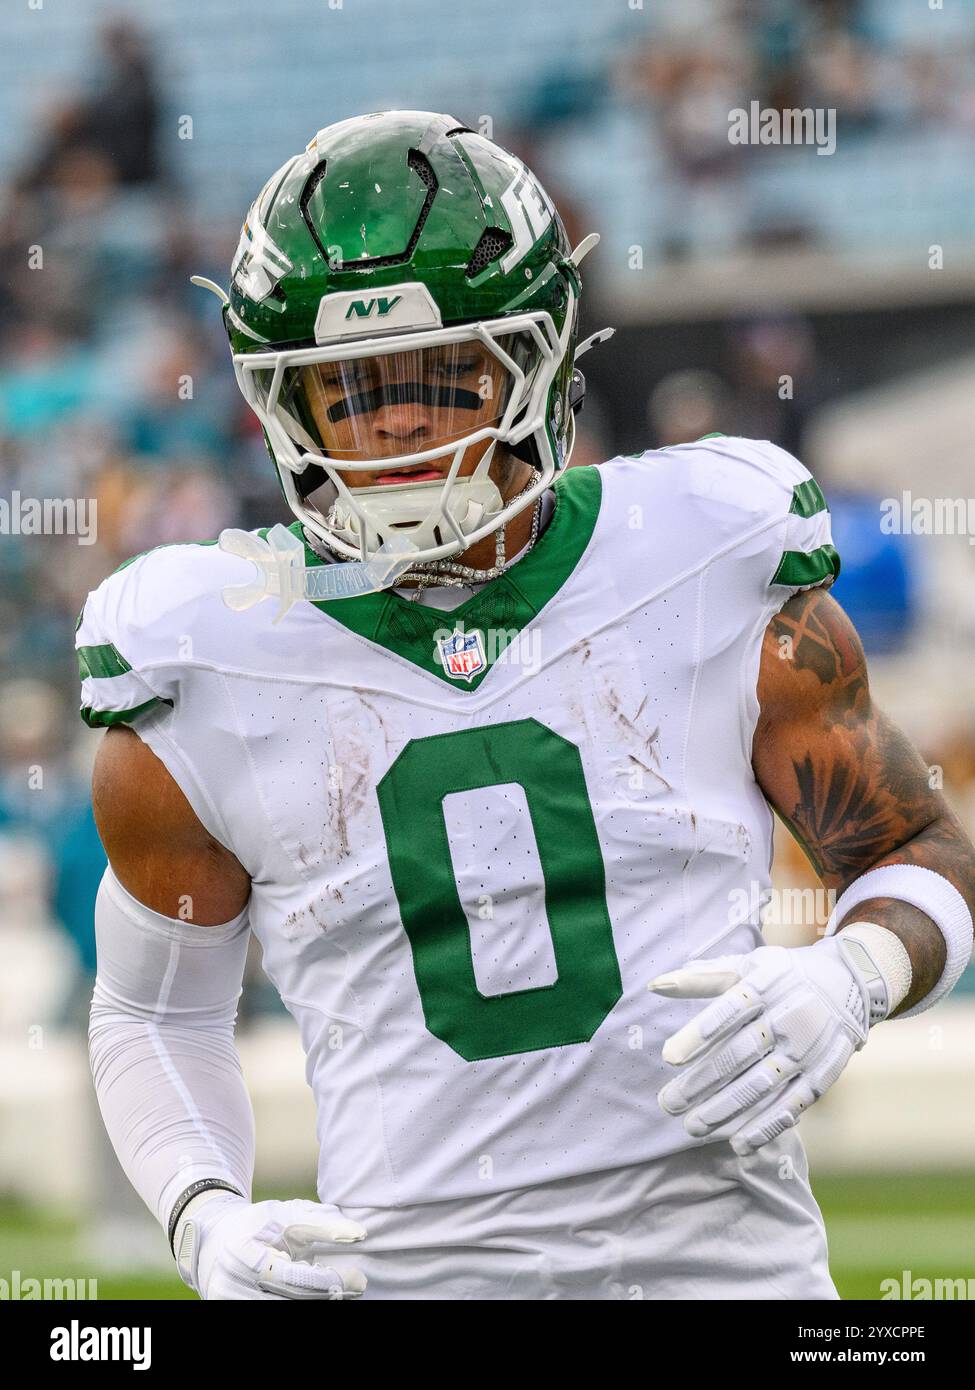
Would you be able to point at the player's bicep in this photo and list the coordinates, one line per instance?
(848, 783)
(158, 849)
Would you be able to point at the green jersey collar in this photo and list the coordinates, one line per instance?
(499, 611)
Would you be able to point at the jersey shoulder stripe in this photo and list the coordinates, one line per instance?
(141, 618)
(723, 486)
(809, 557)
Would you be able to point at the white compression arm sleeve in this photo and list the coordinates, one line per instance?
(161, 1042)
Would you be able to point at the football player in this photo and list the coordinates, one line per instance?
(487, 794)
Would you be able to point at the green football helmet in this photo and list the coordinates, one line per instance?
(403, 294)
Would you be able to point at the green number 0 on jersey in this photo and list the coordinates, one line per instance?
(549, 769)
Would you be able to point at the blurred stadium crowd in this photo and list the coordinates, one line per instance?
(115, 383)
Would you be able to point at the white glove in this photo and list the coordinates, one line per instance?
(227, 1248)
(785, 1024)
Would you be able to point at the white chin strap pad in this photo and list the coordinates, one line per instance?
(420, 509)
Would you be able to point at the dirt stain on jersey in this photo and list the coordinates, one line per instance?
(380, 721)
(631, 731)
(354, 741)
(292, 924)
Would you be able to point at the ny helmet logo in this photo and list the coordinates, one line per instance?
(364, 308)
(350, 314)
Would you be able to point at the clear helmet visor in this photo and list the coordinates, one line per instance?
(391, 405)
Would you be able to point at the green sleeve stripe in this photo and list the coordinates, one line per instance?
(796, 568)
(807, 499)
(98, 718)
(101, 662)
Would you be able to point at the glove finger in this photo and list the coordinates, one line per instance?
(699, 979)
(736, 1007)
(297, 1279)
(303, 1240)
(717, 1067)
(769, 1123)
(830, 1065)
(805, 1081)
(755, 1087)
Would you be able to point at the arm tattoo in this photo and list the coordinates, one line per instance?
(849, 785)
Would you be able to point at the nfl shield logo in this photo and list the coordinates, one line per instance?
(462, 654)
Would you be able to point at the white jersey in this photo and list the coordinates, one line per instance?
(474, 836)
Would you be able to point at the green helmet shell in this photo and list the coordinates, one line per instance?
(394, 196)
(398, 195)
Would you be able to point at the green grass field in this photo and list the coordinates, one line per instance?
(877, 1225)
(880, 1225)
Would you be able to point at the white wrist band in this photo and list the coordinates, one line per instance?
(931, 894)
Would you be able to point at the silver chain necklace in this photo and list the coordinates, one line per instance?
(449, 574)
